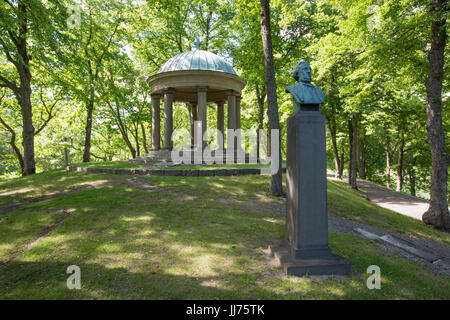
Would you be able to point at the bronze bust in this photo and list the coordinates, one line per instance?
(303, 92)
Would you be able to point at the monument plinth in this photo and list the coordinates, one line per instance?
(306, 249)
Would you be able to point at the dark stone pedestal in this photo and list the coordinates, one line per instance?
(331, 265)
(306, 250)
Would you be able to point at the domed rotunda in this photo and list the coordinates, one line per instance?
(196, 77)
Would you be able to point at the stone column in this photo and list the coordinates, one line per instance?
(238, 122)
(193, 116)
(168, 118)
(231, 123)
(156, 134)
(231, 110)
(220, 119)
(201, 101)
(238, 112)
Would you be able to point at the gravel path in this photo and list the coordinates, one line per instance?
(395, 201)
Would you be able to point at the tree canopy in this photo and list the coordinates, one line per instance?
(73, 78)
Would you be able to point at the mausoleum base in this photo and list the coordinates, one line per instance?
(165, 156)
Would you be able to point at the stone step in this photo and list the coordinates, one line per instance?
(165, 156)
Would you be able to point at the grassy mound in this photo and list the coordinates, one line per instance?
(185, 238)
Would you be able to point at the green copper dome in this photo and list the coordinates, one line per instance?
(197, 60)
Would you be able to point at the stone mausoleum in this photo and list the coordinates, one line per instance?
(197, 78)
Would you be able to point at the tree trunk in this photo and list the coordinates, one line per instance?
(21, 61)
(355, 150)
(412, 182)
(388, 160)
(342, 161)
(437, 213)
(350, 140)
(332, 127)
(144, 138)
(129, 144)
(122, 128)
(66, 156)
(136, 138)
(66, 153)
(135, 135)
(23, 69)
(361, 156)
(276, 185)
(400, 164)
(260, 96)
(352, 134)
(28, 129)
(19, 156)
(88, 131)
(13, 145)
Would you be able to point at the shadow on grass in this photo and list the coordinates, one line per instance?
(158, 248)
(36, 185)
(46, 280)
(180, 242)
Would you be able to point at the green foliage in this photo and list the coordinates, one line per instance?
(370, 59)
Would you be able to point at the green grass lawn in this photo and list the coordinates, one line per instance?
(108, 164)
(19, 189)
(188, 238)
